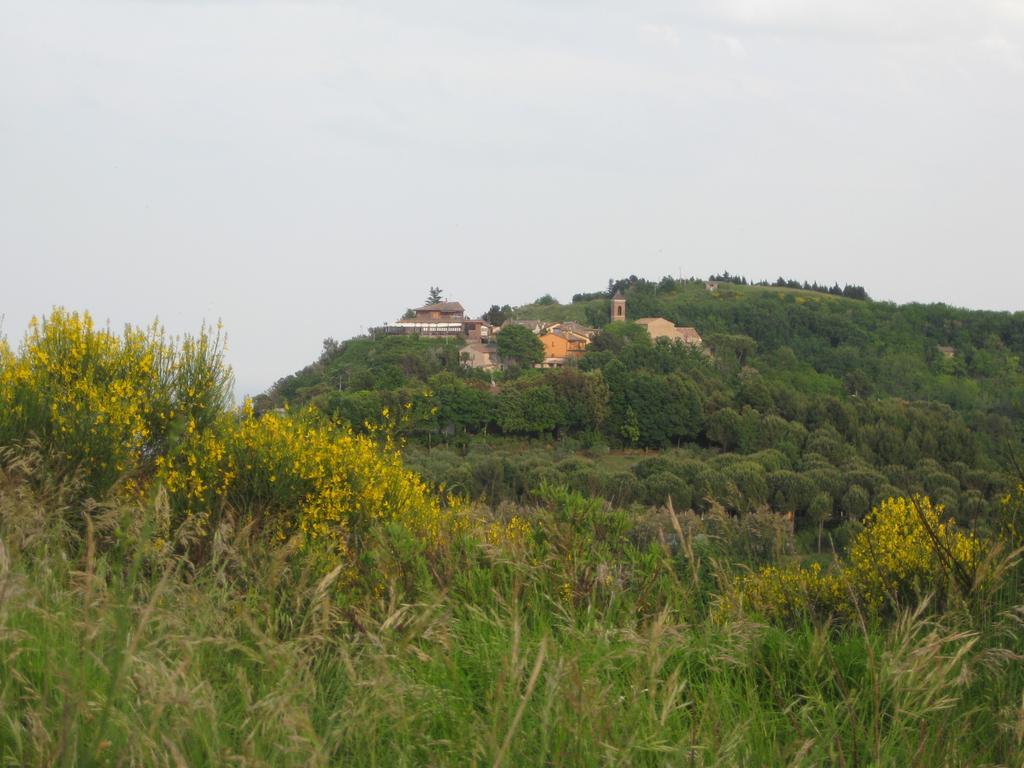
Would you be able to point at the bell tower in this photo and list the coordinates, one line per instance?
(618, 307)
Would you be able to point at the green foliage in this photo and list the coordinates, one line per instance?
(519, 345)
(528, 406)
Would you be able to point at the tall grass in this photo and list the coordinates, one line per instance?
(598, 651)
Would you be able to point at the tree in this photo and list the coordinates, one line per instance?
(528, 406)
(630, 427)
(667, 409)
(583, 398)
(459, 405)
(434, 297)
(856, 502)
(820, 511)
(517, 344)
(497, 315)
(725, 428)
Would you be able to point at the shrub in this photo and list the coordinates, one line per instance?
(907, 550)
(904, 552)
(654, 465)
(300, 474)
(660, 486)
(787, 594)
(104, 405)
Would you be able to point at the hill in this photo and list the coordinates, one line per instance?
(810, 402)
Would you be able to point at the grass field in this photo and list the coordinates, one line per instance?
(596, 653)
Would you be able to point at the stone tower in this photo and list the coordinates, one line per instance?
(618, 307)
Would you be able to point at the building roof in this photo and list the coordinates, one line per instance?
(574, 327)
(618, 296)
(534, 325)
(567, 334)
(416, 321)
(441, 306)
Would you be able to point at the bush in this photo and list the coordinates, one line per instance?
(904, 552)
(104, 405)
(660, 486)
(786, 595)
(299, 474)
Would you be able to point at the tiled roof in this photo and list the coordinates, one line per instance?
(442, 306)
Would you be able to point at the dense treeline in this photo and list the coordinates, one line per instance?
(804, 402)
(849, 291)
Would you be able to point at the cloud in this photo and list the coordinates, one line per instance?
(1001, 50)
(664, 33)
(731, 44)
(899, 19)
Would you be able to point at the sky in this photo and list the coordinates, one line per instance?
(305, 169)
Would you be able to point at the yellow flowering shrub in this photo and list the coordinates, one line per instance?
(905, 550)
(1011, 518)
(104, 403)
(300, 473)
(512, 533)
(137, 411)
(785, 594)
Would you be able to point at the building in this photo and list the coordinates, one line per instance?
(657, 327)
(446, 318)
(660, 328)
(536, 326)
(575, 327)
(443, 311)
(483, 357)
(562, 345)
(618, 307)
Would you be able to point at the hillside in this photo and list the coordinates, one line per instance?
(810, 403)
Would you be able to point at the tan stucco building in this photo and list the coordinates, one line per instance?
(660, 328)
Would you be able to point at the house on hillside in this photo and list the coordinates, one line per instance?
(575, 327)
(562, 345)
(660, 328)
(443, 311)
(445, 318)
(483, 357)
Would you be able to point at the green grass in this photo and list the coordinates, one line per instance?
(111, 654)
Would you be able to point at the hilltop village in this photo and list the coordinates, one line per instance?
(562, 341)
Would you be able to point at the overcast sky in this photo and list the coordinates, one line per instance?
(308, 169)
